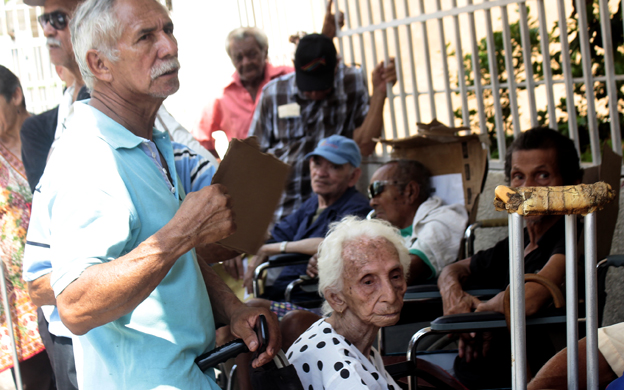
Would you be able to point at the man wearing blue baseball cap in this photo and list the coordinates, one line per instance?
(334, 170)
(321, 98)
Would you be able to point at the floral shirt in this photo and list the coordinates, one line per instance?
(15, 203)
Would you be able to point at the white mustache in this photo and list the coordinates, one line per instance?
(164, 67)
(52, 42)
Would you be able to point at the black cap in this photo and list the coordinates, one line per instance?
(315, 63)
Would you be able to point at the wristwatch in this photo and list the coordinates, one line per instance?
(283, 246)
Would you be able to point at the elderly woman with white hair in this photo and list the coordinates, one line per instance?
(362, 266)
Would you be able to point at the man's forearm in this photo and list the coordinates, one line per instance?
(224, 302)
(41, 292)
(214, 253)
(372, 125)
(105, 292)
(451, 279)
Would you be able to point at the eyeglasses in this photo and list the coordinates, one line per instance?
(57, 19)
(378, 186)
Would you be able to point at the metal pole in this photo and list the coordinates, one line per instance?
(571, 301)
(410, 43)
(567, 75)
(498, 114)
(592, 122)
(445, 69)
(461, 70)
(605, 28)
(511, 77)
(389, 92)
(528, 66)
(591, 299)
(550, 97)
(518, 321)
(399, 72)
(431, 92)
(9, 325)
(476, 71)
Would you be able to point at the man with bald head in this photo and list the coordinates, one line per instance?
(121, 240)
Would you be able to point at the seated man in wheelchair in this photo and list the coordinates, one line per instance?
(334, 170)
(400, 193)
(538, 157)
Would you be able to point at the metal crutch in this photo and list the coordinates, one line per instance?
(530, 201)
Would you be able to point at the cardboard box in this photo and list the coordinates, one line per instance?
(255, 181)
(442, 152)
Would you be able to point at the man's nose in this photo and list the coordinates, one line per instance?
(168, 46)
(48, 30)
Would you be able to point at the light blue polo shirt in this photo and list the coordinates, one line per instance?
(99, 198)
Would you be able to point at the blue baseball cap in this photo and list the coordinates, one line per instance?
(339, 150)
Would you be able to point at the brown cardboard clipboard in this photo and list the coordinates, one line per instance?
(255, 181)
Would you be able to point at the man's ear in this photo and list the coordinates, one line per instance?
(411, 192)
(18, 97)
(99, 66)
(355, 176)
(335, 300)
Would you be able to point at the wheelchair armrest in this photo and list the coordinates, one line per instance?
(279, 260)
(287, 259)
(467, 322)
(304, 280)
(464, 322)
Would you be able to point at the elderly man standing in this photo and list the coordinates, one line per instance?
(400, 193)
(248, 48)
(121, 239)
(322, 98)
(40, 133)
(335, 169)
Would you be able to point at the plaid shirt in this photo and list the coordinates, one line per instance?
(291, 138)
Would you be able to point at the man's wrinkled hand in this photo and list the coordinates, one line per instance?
(251, 269)
(206, 216)
(384, 74)
(242, 325)
(463, 303)
(312, 270)
(234, 267)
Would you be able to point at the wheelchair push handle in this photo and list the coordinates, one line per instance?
(234, 347)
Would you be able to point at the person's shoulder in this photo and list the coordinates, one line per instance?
(44, 122)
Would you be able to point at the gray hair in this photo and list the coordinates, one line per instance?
(412, 170)
(243, 32)
(330, 258)
(94, 26)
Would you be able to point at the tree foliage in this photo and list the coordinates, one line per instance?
(519, 73)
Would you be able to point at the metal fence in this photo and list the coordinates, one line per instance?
(498, 66)
(23, 51)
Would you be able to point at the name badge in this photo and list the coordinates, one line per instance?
(288, 110)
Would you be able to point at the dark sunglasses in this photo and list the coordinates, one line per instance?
(57, 19)
(378, 186)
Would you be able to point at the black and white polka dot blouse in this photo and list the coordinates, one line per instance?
(326, 360)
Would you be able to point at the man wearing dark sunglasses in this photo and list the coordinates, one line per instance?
(400, 193)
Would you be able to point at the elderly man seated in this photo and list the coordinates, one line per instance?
(400, 193)
(118, 229)
(334, 168)
(362, 267)
(538, 157)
